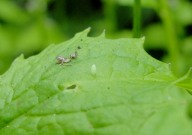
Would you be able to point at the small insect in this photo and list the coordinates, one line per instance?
(73, 56)
(61, 60)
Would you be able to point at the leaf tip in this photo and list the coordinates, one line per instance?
(102, 34)
(83, 33)
(143, 39)
(169, 65)
(20, 57)
(87, 30)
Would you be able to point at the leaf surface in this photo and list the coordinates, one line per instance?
(112, 87)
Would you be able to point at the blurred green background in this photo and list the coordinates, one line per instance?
(29, 26)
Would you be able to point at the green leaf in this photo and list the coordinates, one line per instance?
(112, 87)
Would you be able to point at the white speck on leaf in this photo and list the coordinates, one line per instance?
(93, 69)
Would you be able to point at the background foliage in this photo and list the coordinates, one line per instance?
(28, 26)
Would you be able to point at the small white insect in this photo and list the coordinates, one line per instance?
(93, 69)
(61, 60)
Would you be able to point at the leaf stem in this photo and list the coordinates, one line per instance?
(170, 34)
(110, 14)
(137, 19)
